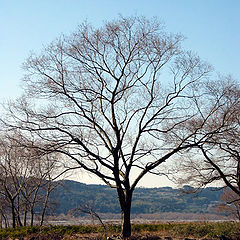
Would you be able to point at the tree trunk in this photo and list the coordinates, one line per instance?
(125, 203)
(5, 220)
(126, 221)
(45, 204)
(32, 217)
(13, 215)
(125, 199)
(19, 220)
(25, 218)
(1, 221)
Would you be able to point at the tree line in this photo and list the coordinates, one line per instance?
(125, 100)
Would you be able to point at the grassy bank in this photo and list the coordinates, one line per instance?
(221, 230)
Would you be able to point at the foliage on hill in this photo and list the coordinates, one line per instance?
(71, 194)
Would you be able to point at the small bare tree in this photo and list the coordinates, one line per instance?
(88, 208)
(229, 204)
(112, 100)
(38, 187)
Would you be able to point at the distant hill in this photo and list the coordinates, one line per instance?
(71, 194)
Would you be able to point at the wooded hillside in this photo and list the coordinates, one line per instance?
(71, 194)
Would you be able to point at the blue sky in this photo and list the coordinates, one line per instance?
(211, 28)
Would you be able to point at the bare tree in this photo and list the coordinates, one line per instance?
(88, 208)
(12, 177)
(217, 160)
(112, 100)
(229, 204)
(48, 186)
(25, 173)
(38, 187)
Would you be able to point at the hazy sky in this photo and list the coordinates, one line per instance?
(211, 28)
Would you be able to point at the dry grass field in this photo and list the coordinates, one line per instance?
(165, 231)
